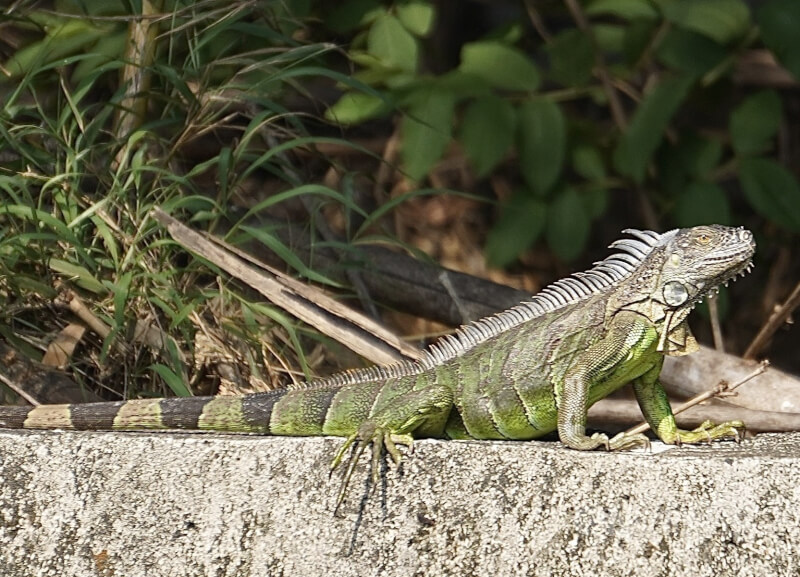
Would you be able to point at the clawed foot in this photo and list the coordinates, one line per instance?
(380, 439)
(620, 442)
(708, 432)
(625, 442)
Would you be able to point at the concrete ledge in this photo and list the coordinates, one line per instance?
(163, 504)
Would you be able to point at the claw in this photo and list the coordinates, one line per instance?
(624, 441)
(379, 439)
(708, 432)
(351, 466)
(337, 459)
(391, 441)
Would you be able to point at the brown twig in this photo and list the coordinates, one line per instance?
(716, 330)
(721, 389)
(355, 330)
(537, 22)
(20, 391)
(91, 320)
(775, 321)
(601, 69)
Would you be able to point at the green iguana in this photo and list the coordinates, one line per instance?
(520, 374)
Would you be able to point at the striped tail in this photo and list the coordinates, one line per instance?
(326, 409)
(335, 406)
(249, 414)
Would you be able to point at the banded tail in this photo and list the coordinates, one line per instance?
(281, 412)
(247, 414)
(329, 407)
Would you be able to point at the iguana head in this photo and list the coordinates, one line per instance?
(685, 266)
(696, 261)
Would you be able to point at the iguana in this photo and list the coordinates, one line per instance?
(519, 374)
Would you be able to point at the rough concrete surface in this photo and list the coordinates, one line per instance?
(164, 504)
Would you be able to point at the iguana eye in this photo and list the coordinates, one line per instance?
(704, 238)
(675, 294)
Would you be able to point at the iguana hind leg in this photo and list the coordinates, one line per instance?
(394, 422)
(656, 409)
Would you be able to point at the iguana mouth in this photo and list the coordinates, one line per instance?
(741, 271)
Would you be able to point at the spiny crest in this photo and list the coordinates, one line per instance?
(366, 374)
(574, 288)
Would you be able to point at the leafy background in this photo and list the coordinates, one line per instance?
(595, 99)
(510, 140)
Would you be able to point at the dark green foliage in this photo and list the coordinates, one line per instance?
(487, 131)
(755, 122)
(772, 190)
(779, 21)
(542, 144)
(637, 145)
(668, 124)
(522, 221)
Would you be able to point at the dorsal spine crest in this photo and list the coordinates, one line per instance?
(605, 274)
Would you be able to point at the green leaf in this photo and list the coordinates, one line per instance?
(499, 65)
(720, 20)
(62, 40)
(646, 130)
(121, 291)
(755, 122)
(174, 381)
(80, 275)
(698, 155)
(571, 58)
(266, 237)
(487, 131)
(609, 37)
(690, 52)
(587, 162)
(521, 223)
(625, 9)
(692, 157)
(596, 201)
(374, 72)
(107, 49)
(348, 15)
(427, 129)
(637, 41)
(779, 21)
(465, 85)
(772, 191)
(356, 107)
(542, 143)
(390, 42)
(702, 203)
(568, 225)
(416, 16)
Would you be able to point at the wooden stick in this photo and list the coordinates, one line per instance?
(722, 388)
(775, 321)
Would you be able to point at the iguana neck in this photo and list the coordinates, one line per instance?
(642, 293)
(675, 336)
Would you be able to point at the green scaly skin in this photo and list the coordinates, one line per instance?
(521, 374)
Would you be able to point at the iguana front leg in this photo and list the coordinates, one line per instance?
(599, 370)
(656, 409)
(392, 423)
